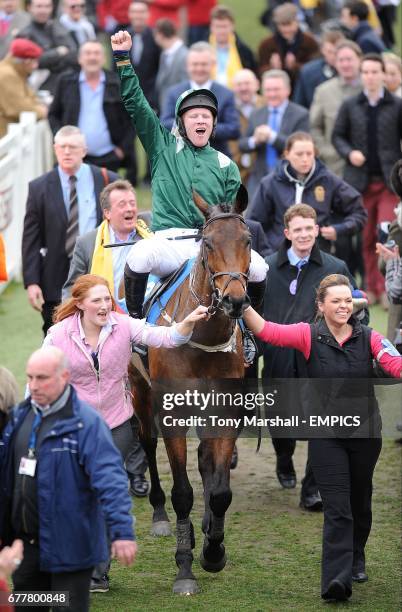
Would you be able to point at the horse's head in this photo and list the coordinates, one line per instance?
(226, 252)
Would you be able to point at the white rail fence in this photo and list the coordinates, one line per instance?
(25, 153)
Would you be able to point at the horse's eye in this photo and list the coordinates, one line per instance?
(208, 245)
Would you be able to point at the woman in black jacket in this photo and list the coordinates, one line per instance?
(302, 178)
(339, 350)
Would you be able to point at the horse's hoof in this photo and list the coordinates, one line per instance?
(212, 566)
(161, 528)
(186, 586)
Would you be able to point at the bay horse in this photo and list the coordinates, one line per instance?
(218, 280)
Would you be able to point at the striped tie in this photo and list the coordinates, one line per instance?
(72, 227)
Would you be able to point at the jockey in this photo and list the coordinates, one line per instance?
(180, 164)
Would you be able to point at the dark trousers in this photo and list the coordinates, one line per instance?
(284, 449)
(47, 315)
(343, 469)
(28, 577)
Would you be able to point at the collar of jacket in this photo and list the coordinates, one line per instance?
(288, 175)
(387, 98)
(322, 327)
(282, 259)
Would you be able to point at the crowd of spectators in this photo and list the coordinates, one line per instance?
(312, 120)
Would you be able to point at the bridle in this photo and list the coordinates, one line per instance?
(217, 295)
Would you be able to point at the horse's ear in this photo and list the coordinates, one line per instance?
(201, 204)
(241, 200)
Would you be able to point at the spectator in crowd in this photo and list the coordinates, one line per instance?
(338, 347)
(165, 9)
(145, 53)
(288, 48)
(12, 20)
(301, 177)
(59, 49)
(112, 14)
(318, 70)
(144, 56)
(328, 98)
(97, 342)
(62, 519)
(245, 88)
(198, 12)
(15, 94)
(10, 559)
(232, 53)
(173, 60)
(8, 395)
(214, 176)
(90, 99)
(74, 20)
(367, 134)
(354, 16)
(393, 73)
(295, 272)
(269, 126)
(390, 260)
(62, 204)
(200, 65)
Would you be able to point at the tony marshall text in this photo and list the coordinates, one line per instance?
(254, 421)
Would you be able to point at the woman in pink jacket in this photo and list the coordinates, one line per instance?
(97, 342)
(340, 350)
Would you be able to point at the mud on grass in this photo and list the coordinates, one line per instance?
(273, 547)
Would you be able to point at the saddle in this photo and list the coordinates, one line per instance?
(162, 291)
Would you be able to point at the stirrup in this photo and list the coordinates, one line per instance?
(250, 350)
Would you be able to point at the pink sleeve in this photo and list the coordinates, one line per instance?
(296, 335)
(386, 354)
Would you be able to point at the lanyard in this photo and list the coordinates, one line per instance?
(34, 433)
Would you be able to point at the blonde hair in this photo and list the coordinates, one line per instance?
(8, 390)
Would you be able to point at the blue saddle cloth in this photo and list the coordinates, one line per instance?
(163, 291)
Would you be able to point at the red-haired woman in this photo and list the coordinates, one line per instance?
(97, 342)
(337, 346)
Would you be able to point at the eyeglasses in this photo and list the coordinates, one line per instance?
(293, 285)
(75, 6)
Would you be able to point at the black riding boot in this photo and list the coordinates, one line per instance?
(256, 293)
(135, 284)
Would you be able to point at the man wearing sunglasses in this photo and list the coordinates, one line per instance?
(295, 271)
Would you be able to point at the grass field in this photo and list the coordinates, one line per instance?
(273, 547)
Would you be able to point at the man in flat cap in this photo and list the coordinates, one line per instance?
(15, 94)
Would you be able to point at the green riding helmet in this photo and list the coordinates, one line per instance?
(195, 98)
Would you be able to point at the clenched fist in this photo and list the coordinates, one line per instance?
(121, 41)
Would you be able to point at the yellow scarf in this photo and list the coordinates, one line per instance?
(234, 63)
(102, 259)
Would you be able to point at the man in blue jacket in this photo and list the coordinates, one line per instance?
(62, 486)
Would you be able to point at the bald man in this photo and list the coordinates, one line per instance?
(245, 87)
(63, 486)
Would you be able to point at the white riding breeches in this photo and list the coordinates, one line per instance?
(161, 257)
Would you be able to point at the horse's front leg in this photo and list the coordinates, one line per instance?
(217, 453)
(182, 501)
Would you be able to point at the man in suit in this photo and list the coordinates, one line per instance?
(145, 52)
(173, 60)
(269, 127)
(12, 20)
(91, 100)
(61, 204)
(121, 224)
(200, 63)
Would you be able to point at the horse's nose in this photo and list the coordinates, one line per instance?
(234, 306)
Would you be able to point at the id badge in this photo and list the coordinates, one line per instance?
(27, 466)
